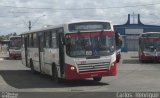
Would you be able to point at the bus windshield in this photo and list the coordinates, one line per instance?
(150, 45)
(15, 42)
(90, 44)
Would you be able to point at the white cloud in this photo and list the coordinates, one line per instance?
(16, 19)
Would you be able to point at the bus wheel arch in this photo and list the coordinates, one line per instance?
(32, 66)
(97, 79)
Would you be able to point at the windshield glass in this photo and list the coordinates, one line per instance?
(15, 42)
(90, 44)
(150, 44)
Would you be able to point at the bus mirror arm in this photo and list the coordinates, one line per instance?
(62, 41)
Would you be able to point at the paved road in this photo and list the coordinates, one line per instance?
(132, 76)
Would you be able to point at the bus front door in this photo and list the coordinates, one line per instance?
(61, 53)
(41, 52)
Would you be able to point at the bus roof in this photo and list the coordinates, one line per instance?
(79, 21)
(61, 25)
(43, 29)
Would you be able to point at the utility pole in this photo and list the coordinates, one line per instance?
(30, 25)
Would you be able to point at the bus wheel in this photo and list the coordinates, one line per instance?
(55, 75)
(32, 67)
(97, 79)
(141, 61)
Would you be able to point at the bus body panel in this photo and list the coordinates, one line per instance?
(91, 67)
(50, 56)
(34, 56)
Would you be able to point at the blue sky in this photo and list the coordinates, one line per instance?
(15, 14)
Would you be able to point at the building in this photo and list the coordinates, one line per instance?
(131, 30)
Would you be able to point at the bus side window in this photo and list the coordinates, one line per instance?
(54, 39)
(41, 40)
(60, 31)
(47, 38)
(22, 40)
(28, 40)
(35, 40)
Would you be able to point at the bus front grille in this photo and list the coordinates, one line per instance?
(93, 66)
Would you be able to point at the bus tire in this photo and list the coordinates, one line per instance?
(55, 75)
(141, 61)
(97, 79)
(32, 67)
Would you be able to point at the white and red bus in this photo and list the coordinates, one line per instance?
(149, 46)
(15, 47)
(71, 51)
(118, 39)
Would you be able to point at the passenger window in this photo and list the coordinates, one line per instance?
(34, 40)
(54, 40)
(47, 37)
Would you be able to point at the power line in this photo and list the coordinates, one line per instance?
(8, 6)
(49, 8)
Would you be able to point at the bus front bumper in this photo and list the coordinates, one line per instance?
(74, 75)
(149, 58)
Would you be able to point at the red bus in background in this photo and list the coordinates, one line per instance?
(15, 47)
(118, 40)
(149, 46)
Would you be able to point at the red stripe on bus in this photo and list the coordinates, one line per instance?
(94, 34)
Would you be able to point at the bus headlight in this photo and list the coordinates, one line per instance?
(72, 68)
(113, 63)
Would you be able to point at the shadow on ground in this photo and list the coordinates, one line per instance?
(130, 61)
(136, 61)
(134, 57)
(26, 79)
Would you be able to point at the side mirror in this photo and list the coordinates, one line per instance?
(118, 40)
(61, 39)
